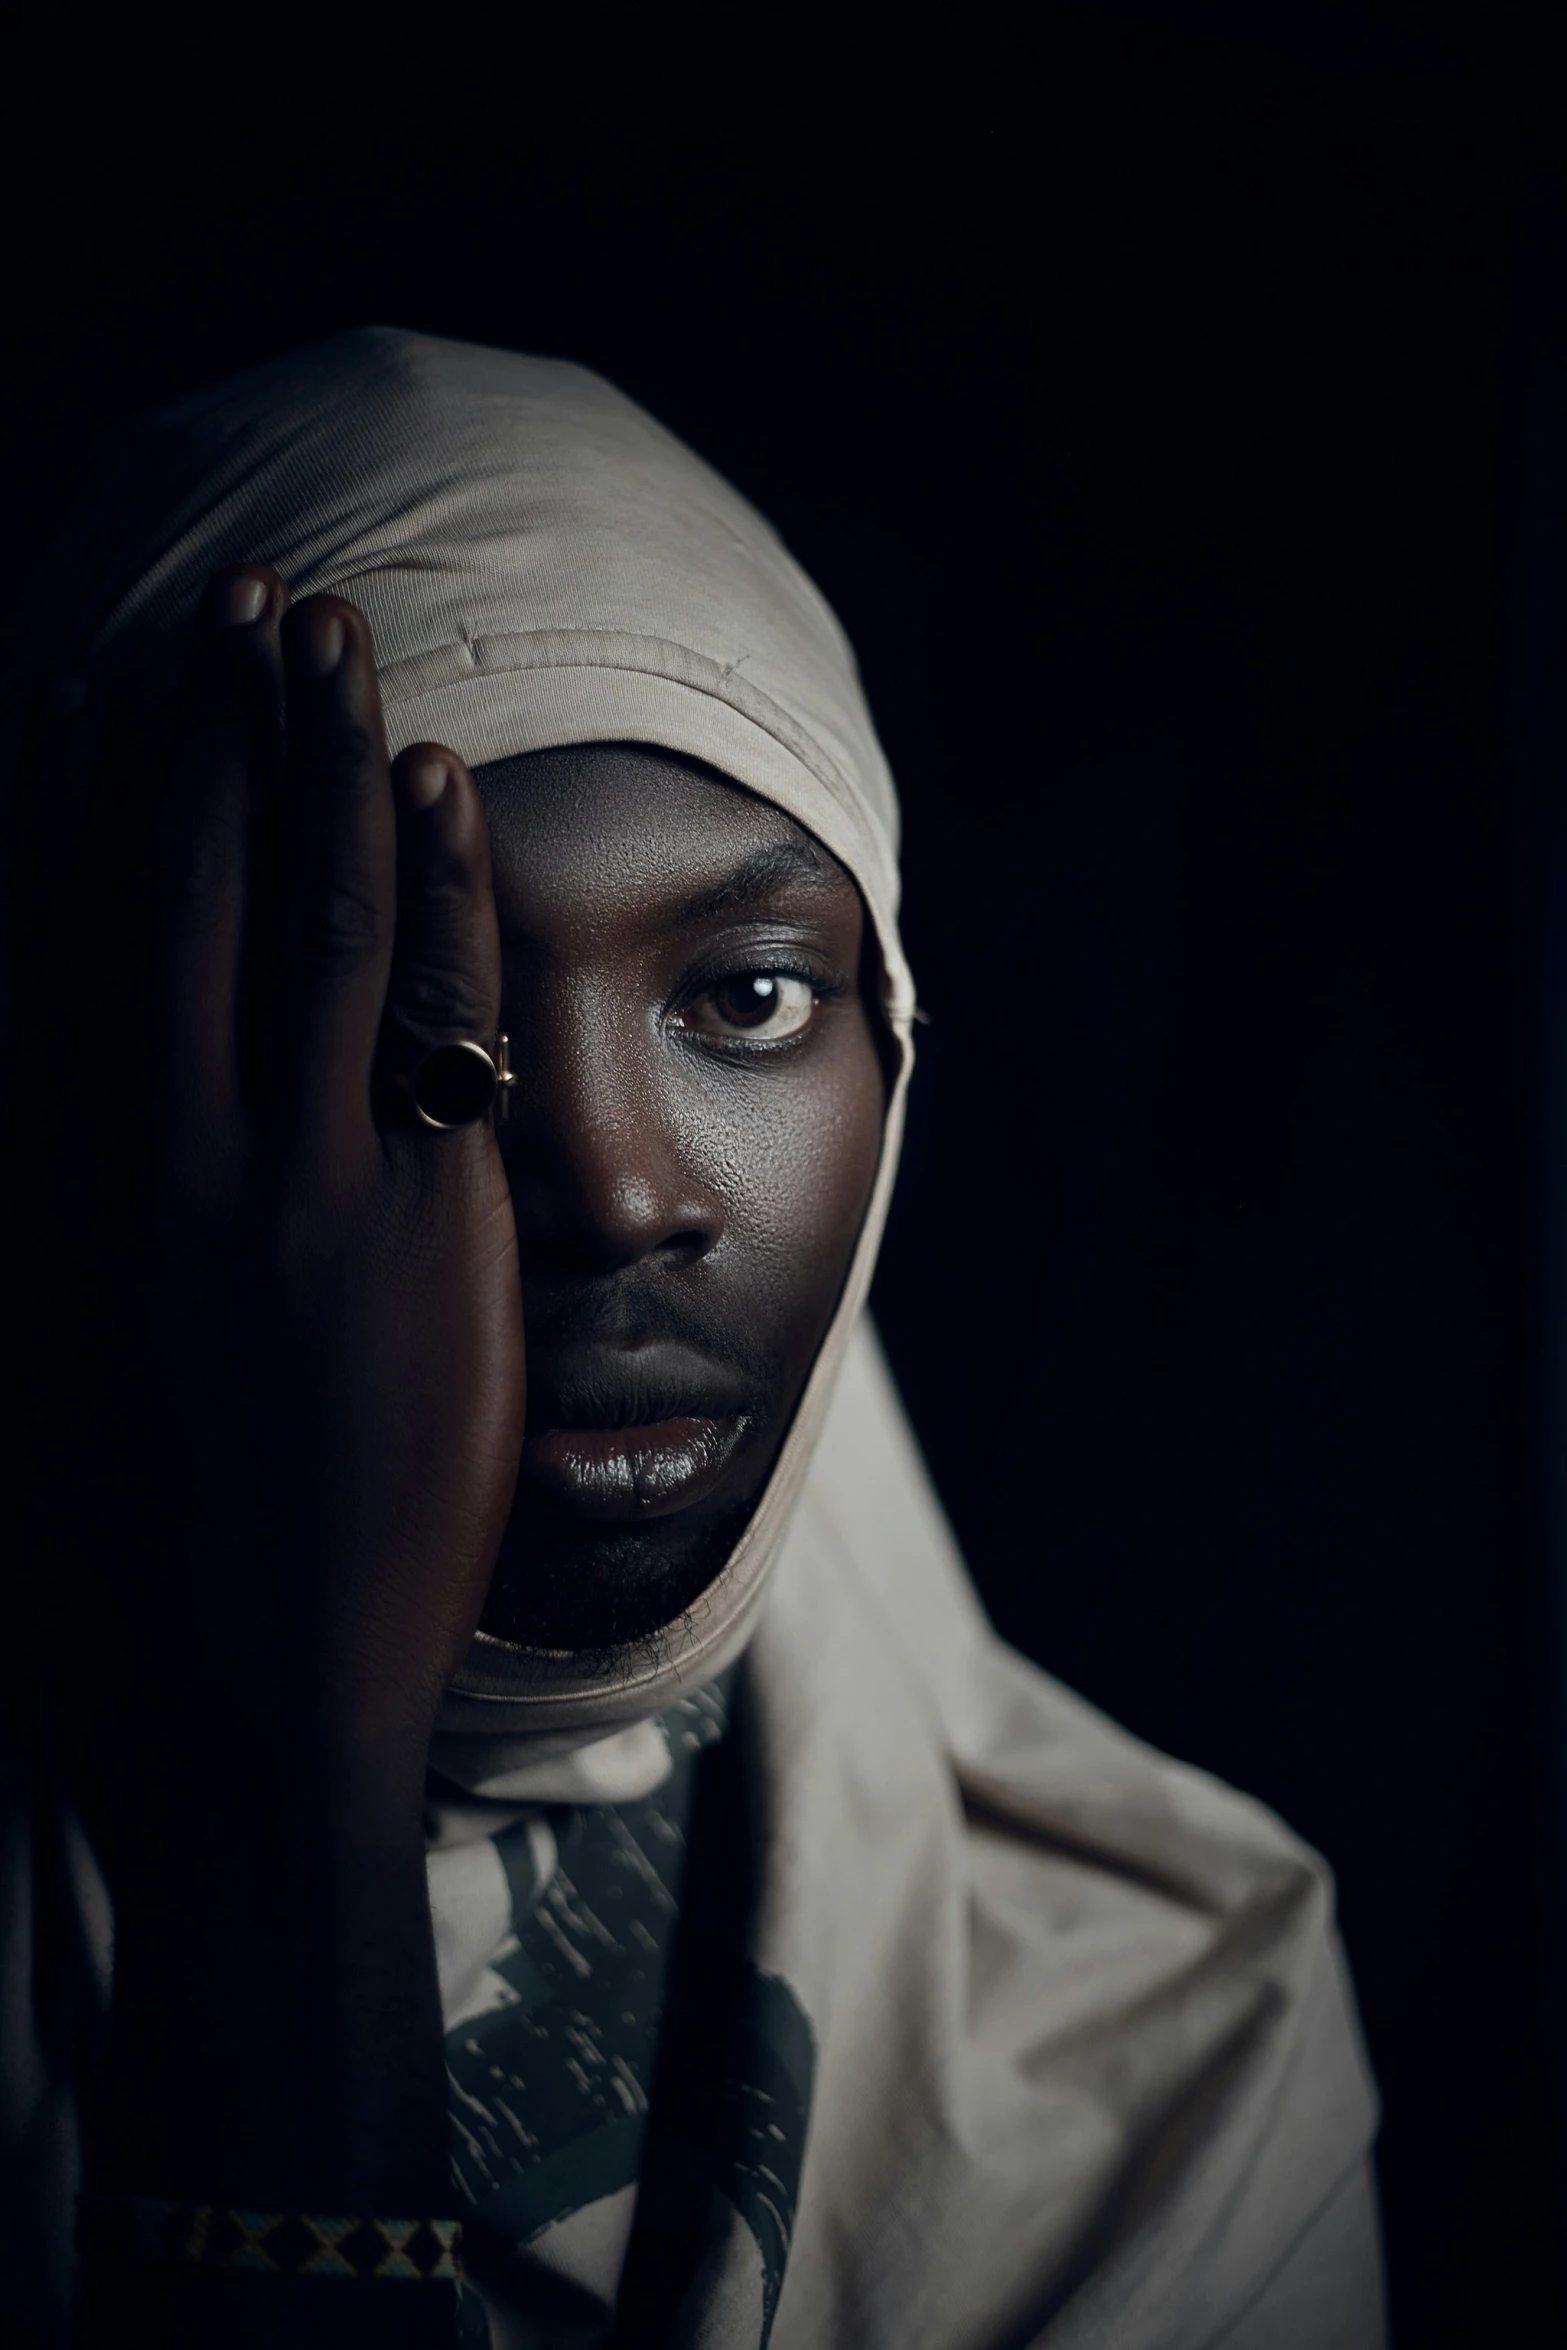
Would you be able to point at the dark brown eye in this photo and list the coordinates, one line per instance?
(764, 1004)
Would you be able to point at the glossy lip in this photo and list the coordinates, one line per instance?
(645, 1471)
(629, 1432)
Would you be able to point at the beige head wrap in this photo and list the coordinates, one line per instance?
(541, 564)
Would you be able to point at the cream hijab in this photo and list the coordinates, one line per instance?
(541, 564)
(1086, 2068)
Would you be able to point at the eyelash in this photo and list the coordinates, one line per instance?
(824, 989)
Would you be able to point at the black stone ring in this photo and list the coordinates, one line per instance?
(458, 1084)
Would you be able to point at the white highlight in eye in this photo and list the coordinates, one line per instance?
(765, 1005)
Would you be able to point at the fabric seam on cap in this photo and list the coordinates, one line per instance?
(474, 657)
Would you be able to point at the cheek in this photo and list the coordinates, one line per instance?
(794, 1151)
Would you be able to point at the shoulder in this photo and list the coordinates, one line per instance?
(1088, 2044)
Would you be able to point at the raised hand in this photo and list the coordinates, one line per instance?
(329, 1305)
(311, 1312)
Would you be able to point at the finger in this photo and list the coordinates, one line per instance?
(340, 851)
(445, 986)
(226, 750)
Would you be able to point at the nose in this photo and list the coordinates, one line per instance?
(597, 1153)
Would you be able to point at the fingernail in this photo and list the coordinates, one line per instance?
(425, 781)
(239, 602)
(320, 643)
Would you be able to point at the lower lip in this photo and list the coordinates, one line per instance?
(640, 1472)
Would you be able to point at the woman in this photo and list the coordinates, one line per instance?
(580, 1867)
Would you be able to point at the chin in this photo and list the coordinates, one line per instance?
(599, 1589)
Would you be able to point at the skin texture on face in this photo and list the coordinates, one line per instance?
(691, 1144)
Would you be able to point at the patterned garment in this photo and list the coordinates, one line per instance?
(616, 2029)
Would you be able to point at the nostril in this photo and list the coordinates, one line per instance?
(585, 1246)
(687, 1246)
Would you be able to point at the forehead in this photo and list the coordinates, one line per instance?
(607, 833)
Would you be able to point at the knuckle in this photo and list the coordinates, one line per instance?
(435, 1003)
(341, 927)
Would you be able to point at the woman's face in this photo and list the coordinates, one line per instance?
(691, 1144)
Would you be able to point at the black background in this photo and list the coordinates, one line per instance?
(1145, 394)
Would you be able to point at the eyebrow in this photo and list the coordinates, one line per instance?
(761, 876)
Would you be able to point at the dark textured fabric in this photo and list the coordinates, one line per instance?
(640, 2047)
